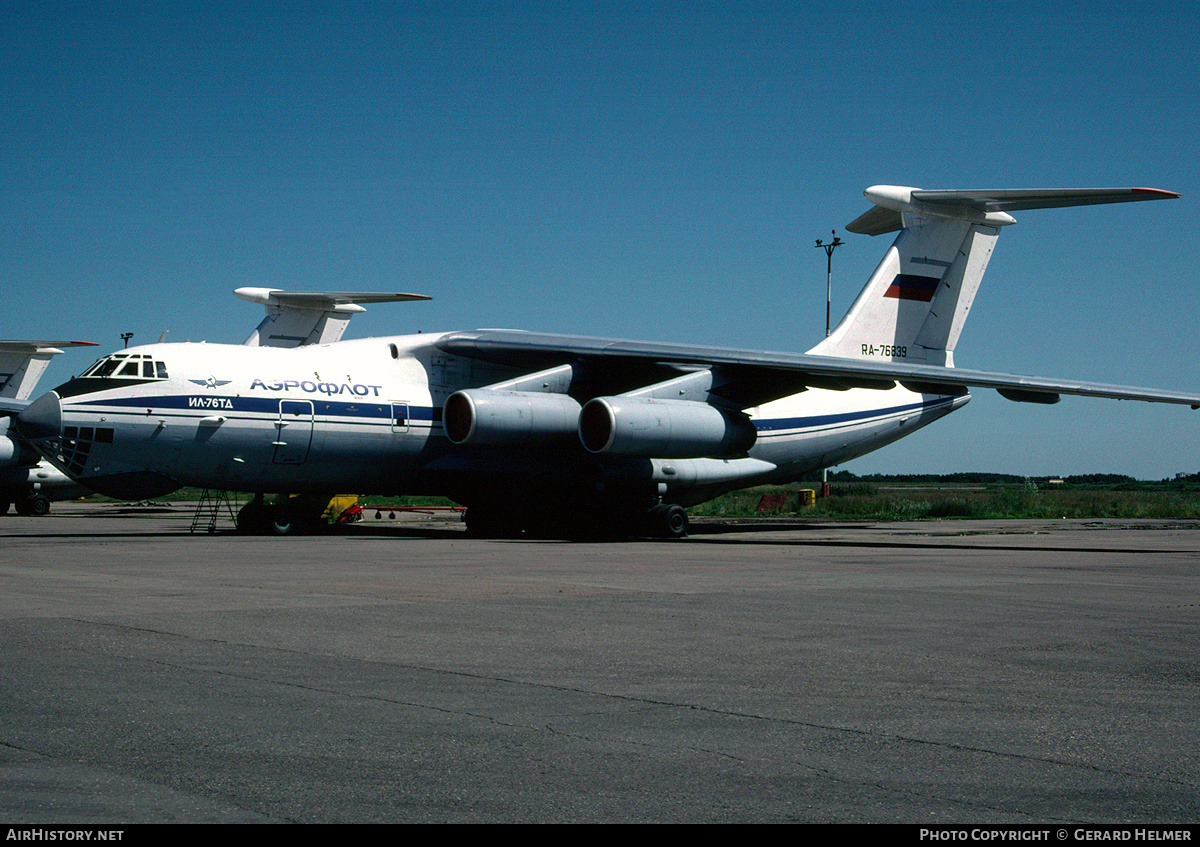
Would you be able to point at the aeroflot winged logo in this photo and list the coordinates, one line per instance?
(211, 382)
(912, 287)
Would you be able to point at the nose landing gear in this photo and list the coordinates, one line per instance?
(32, 505)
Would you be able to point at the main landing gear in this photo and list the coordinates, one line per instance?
(668, 521)
(293, 517)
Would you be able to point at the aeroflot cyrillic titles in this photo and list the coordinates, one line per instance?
(309, 386)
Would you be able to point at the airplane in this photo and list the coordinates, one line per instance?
(27, 479)
(537, 433)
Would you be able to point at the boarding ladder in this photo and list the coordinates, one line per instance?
(209, 509)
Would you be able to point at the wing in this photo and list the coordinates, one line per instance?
(753, 377)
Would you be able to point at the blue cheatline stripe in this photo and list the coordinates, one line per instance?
(383, 411)
(267, 406)
(811, 421)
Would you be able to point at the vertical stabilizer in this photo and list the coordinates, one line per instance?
(915, 304)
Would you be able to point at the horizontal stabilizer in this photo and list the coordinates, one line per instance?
(41, 346)
(986, 206)
(320, 299)
(295, 318)
(22, 364)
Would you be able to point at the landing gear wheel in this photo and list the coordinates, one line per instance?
(669, 521)
(282, 521)
(35, 506)
(252, 518)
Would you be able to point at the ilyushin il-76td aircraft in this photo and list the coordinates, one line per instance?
(533, 432)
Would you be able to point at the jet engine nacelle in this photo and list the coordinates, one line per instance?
(663, 429)
(14, 454)
(486, 417)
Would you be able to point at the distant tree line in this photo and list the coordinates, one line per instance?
(1108, 481)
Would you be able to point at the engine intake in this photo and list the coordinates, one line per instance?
(663, 429)
(484, 417)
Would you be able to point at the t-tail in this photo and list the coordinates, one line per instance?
(915, 304)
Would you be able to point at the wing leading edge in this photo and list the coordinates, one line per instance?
(778, 375)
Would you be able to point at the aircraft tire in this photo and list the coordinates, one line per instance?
(669, 521)
(282, 521)
(35, 506)
(252, 519)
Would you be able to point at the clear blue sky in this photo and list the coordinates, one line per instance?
(656, 171)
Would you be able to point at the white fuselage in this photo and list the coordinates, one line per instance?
(364, 416)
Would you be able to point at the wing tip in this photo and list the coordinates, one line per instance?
(1157, 193)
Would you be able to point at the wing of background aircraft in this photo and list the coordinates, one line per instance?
(295, 318)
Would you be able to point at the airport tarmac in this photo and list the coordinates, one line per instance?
(949, 672)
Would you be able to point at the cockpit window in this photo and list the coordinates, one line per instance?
(104, 367)
(127, 366)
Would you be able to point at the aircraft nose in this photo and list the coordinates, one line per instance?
(42, 418)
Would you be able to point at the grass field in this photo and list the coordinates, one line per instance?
(919, 501)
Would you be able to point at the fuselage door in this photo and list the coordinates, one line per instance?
(293, 432)
(399, 417)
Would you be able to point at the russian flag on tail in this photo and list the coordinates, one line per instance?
(912, 287)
